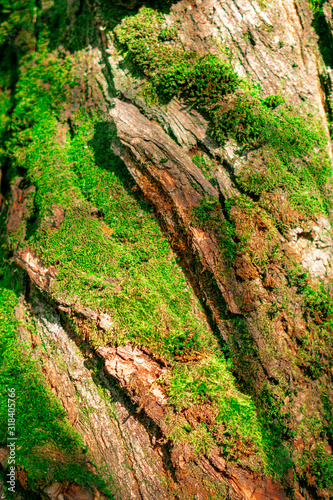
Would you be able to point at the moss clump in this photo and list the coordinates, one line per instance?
(210, 381)
(235, 230)
(292, 157)
(327, 405)
(315, 353)
(121, 264)
(173, 71)
(199, 80)
(321, 467)
(275, 431)
(292, 142)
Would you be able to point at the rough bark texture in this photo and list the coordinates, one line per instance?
(116, 396)
(122, 442)
(165, 188)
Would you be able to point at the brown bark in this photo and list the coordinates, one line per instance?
(173, 197)
(139, 374)
(129, 431)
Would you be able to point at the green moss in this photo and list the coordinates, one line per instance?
(109, 251)
(292, 141)
(322, 467)
(273, 101)
(323, 30)
(199, 80)
(293, 150)
(211, 381)
(151, 46)
(328, 413)
(48, 448)
(319, 302)
(123, 264)
(315, 351)
(206, 166)
(275, 432)
(317, 463)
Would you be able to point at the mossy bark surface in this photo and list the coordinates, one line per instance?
(167, 251)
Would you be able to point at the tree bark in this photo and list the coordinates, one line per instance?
(116, 395)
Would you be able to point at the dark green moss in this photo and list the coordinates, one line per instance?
(323, 30)
(328, 413)
(275, 431)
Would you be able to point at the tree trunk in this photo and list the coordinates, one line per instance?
(166, 268)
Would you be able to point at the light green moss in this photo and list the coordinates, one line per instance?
(210, 381)
(48, 448)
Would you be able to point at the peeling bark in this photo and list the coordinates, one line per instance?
(174, 187)
(173, 200)
(114, 435)
(44, 277)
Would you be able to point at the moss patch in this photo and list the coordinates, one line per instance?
(210, 381)
(47, 447)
